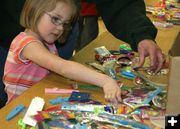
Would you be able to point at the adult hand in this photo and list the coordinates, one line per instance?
(150, 48)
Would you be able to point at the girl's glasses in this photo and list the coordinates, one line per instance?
(57, 21)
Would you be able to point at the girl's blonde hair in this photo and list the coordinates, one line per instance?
(34, 9)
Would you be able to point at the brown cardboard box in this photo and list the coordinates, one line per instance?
(173, 97)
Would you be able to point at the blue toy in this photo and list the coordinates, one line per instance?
(152, 94)
(15, 112)
(59, 100)
(128, 75)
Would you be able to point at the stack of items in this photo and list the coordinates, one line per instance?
(167, 12)
(145, 101)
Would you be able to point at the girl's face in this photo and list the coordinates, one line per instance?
(52, 24)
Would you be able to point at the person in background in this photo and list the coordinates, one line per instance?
(127, 21)
(32, 54)
(88, 24)
(66, 48)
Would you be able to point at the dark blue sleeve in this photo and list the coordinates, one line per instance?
(127, 20)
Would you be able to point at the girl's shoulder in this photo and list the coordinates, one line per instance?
(21, 40)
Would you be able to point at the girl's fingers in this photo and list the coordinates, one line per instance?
(118, 96)
(114, 98)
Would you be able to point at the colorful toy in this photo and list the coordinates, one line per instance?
(79, 96)
(59, 100)
(15, 112)
(58, 91)
(21, 124)
(87, 108)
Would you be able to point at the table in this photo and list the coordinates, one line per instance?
(54, 80)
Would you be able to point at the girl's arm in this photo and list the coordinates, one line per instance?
(37, 53)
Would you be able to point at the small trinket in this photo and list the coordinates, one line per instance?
(139, 81)
(21, 124)
(94, 125)
(59, 100)
(125, 46)
(79, 96)
(161, 72)
(102, 54)
(109, 69)
(124, 61)
(135, 62)
(97, 66)
(134, 102)
(137, 117)
(15, 111)
(123, 109)
(128, 75)
(159, 101)
(153, 113)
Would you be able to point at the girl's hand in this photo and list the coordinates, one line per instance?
(112, 91)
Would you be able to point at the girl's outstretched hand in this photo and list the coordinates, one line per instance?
(112, 91)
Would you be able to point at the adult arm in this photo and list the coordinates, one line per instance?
(127, 21)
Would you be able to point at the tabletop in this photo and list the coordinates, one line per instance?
(54, 80)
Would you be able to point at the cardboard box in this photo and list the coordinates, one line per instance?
(173, 97)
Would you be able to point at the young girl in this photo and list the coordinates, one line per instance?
(32, 54)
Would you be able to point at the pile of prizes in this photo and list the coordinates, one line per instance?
(166, 13)
(143, 103)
